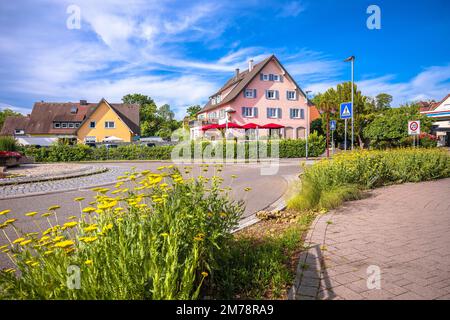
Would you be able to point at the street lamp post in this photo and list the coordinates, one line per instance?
(352, 60)
(307, 123)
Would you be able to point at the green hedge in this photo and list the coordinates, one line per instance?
(64, 153)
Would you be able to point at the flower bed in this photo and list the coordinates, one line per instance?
(157, 238)
(9, 158)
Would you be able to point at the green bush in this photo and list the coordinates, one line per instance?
(156, 239)
(8, 143)
(329, 182)
(206, 149)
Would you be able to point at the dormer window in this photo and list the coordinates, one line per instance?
(19, 131)
(73, 109)
(57, 125)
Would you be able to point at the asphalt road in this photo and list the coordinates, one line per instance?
(265, 190)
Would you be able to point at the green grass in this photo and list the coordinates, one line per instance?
(258, 267)
(328, 183)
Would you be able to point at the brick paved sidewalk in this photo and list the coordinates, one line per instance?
(404, 230)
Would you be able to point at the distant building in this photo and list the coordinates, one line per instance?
(440, 113)
(264, 94)
(81, 122)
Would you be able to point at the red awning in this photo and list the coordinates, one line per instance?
(250, 126)
(230, 125)
(210, 126)
(272, 126)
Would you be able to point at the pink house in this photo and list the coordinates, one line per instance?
(263, 94)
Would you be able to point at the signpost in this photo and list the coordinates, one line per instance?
(414, 129)
(332, 128)
(346, 113)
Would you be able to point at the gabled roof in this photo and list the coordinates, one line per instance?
(437, 105)
(242, 80)
(44, 114)
(12, 123)
(128, 113)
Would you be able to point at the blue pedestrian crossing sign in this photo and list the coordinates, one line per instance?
(346, 110)
(333, 125)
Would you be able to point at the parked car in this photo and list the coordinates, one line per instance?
(91, 144)
(110, 145)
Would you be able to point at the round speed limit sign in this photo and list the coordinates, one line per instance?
(413, 127)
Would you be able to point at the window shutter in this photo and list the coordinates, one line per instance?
(287, 94)
(302, 113)
(243, 111)
(255, 112)
(277, 96)
(279, 113)
(261, 77)
(266, 94)
(281, 78)
(254, 93)
(267, 112)
(270, 77)
(291, 116)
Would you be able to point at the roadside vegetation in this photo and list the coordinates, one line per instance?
(328, 183)
(80, 152)
(160, 239)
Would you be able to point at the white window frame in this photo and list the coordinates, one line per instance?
(64, 125)
(88, 139)
(250, 114)
(77, 125)
(109, 122)
(274, 95)
(291, 91)
(19, 131)
(299, 113)
(276, 77)
(71, 125)
(90, 124)
(275, 116)
(212, 115)
(222, 114)
(249, 93)
(57, 125)
(265, 77)
(201, 116)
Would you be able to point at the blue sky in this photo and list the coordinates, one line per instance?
(180, 52)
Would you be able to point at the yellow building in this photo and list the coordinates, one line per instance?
(110, 121)
(82, 122)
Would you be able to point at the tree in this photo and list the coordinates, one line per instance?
(7, 113)
(390, 127)
(147, 112)
(327, 104)
(383, 101)
(165, 113)
(316, 125)
(193, 110)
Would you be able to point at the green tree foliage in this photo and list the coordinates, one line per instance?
(316, 126)
(6, 113)
(364, 110)
(193, 110)
(390, 127)
(383, 101)
(154, 121)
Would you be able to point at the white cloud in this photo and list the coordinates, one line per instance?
(292, 9)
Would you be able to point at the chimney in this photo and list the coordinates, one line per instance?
(237, 73)
(83, 102)
(250, 65)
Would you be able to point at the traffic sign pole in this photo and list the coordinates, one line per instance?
(345, 136)
(353, 105)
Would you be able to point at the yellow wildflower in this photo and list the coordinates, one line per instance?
(78, 199)
(47, 214)
(31, 214)
(164, 234)
(53, 208)
(48, 252)
(4, 212)
(88, 239)
(89, 209)
(70, 224)
(64, 244)
(58, 238)
(18, 240)
(88, 262)
(25, 242)
(9, 221)
(91, 228)
(204, 274)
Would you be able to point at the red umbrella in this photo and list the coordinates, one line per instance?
(210, 126)
(230, 125)
(272, 126)
(250, 126)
